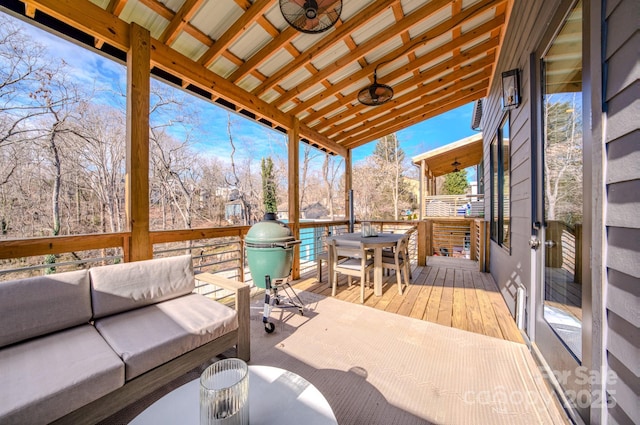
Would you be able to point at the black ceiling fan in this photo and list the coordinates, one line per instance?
(375, 94)
(311, 16)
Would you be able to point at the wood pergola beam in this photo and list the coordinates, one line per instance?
(413, 118)
(261, 57)
(416, 81)
(326, 43)
(203, 38)
(93, 20)
(410, 67)
(473, 83)
(179, 21)
(360, 51)
(249, 17)
(481, 65)
(115, 6)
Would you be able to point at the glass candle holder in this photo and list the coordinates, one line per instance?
(365, 229)
(224, 393)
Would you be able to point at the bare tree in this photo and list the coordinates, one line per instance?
(379, 182)
(234, 181)
(308, 155)
(102, 160)
(330, 172)
(22, 68)
(59, 98)
(563, 159)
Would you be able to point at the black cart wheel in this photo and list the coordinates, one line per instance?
(277, 301)
(269, 327)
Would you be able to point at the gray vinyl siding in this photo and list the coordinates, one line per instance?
(511, 268)
(622, 215)
(616, 286)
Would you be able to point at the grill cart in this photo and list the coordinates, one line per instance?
(269, 245)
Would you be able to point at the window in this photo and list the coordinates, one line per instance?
(494, 189)
(501, 185)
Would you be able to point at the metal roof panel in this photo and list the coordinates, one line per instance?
(295, 78)
(223, 66)
(249, 83)
(249, 43)
(345, 72)
(215, 17)
(275, 62)
(375, 26)
(189, 46)
(352, 7)
(331, 55)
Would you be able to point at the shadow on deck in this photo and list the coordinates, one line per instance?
(448, 291)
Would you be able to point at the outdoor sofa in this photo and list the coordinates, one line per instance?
(76, 347)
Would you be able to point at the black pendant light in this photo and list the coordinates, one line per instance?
(311, 16)
(455, 164)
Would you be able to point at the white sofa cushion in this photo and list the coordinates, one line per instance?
(48, 377)
(153, 335)
(121, 287)
(39, 305)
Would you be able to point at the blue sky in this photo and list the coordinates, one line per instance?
(252, 140)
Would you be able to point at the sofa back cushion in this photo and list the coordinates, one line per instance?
(121, 287)
(40, 305)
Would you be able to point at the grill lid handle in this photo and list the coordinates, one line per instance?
(283, 245)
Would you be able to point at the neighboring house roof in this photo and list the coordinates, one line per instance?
(466, 152)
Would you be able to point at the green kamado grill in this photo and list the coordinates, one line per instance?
(269, 244)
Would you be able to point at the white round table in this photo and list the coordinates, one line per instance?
(275, 396)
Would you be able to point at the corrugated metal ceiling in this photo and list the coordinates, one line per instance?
(260, 65)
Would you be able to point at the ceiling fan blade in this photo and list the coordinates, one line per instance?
(312, 23)
(329, 8)
(380, 91)
(300, 21)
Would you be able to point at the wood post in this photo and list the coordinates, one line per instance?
(137, 176)
(294, 192)
(483, 260)
(473, 235)
(424, 241)
(578, 253)
(347, 183)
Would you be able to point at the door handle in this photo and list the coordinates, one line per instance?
(534, 242)
(549, 244)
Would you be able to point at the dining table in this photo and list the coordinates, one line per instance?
(376, 242)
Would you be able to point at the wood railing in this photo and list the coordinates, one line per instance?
(219, 250)
(454, 206)
(566, 250)
(456, 237)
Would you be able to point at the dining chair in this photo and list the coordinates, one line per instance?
(354, 261)
(323, 256)
(400, 262)
(390, 252)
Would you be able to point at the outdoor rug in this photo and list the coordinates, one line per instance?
(375, 367)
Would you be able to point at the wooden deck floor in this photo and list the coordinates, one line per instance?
(448, 291)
